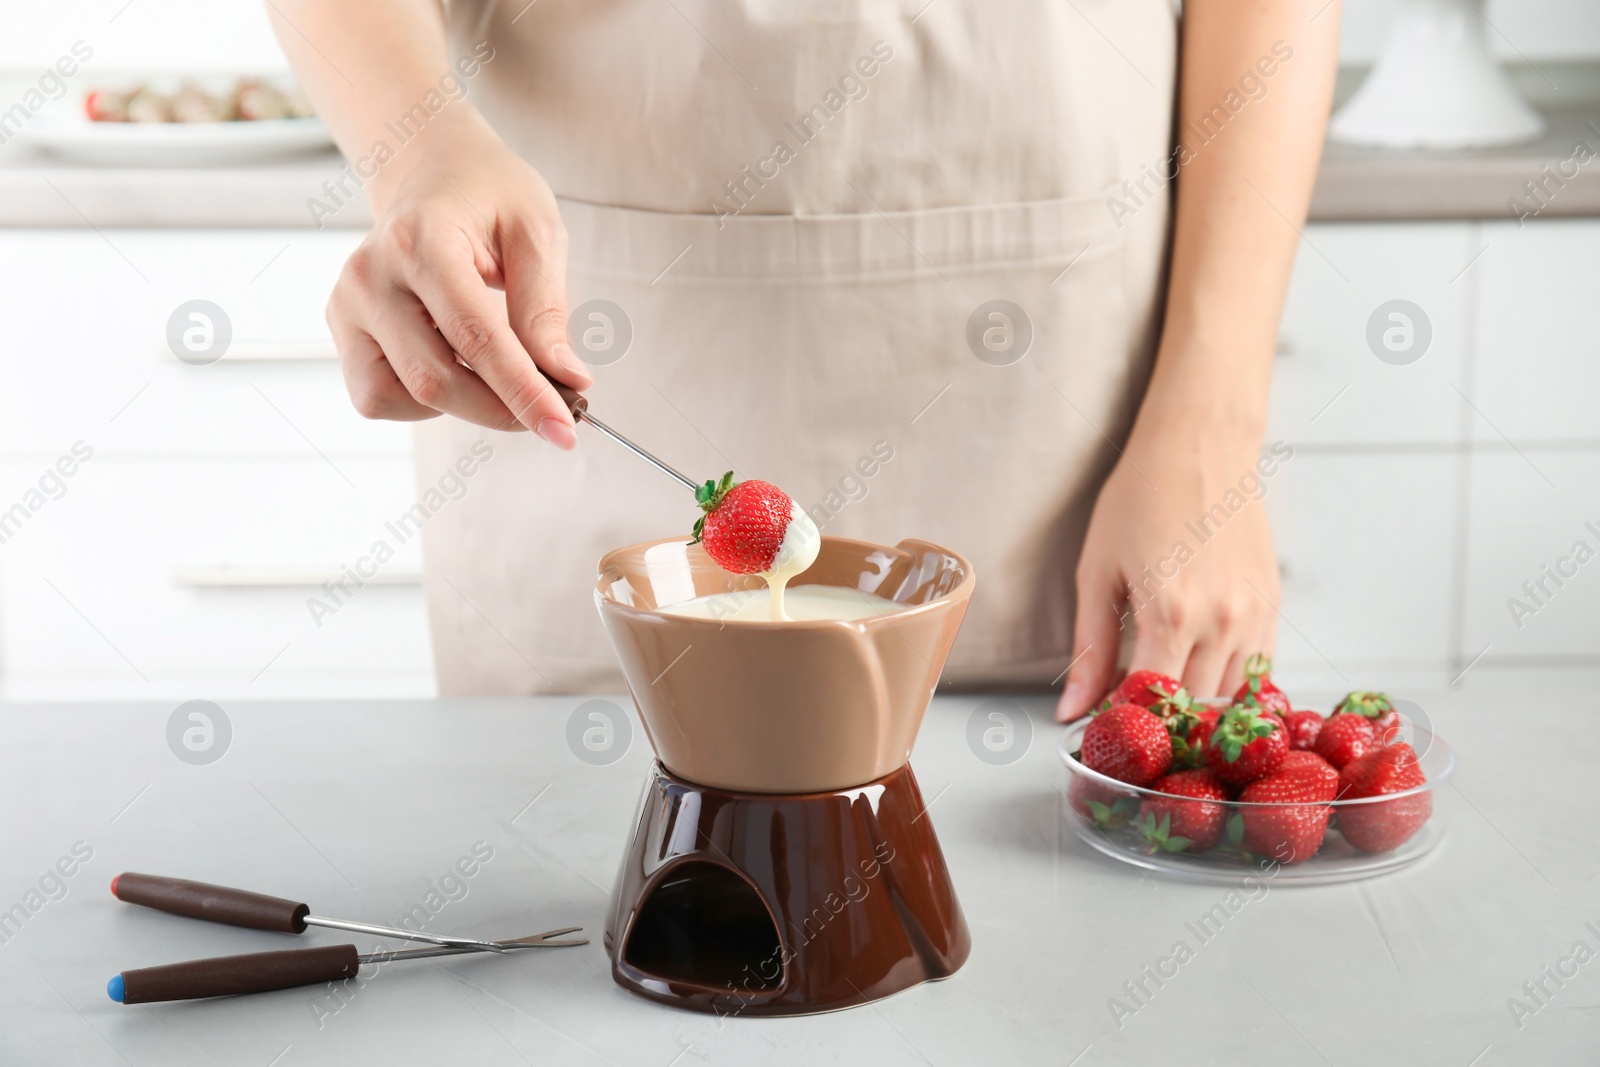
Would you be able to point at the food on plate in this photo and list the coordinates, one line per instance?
(1127, 743)
(1309, 763)
(1368, 705)
(1250, 780)
(1101, 804)
(1145, 688)
(753, 527)
(1247, 744)
(1293, 820)
(1167, 701)
(1199, 734)
(1375, 706)
(1303, 727)
(1258, 688)
(1385, 824)
(247, 100)
(1344, 738)
(1170, 824)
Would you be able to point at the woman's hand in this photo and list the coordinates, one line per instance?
(1197, 579)
(419, 329)
(1241, 202)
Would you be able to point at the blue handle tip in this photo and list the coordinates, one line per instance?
(114, 989)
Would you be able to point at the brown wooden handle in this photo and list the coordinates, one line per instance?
(576, 402)
(224, 976)
(215, 903)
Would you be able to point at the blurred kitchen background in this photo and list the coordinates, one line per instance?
(206, 504)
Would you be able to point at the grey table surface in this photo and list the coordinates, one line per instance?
(363, 809)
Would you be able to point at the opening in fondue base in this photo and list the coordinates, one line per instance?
(801, 603)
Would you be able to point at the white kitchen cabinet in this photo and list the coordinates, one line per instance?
(1367, 545)
(87, 356)
(1532, 600)
(1390, 572)
(1328, 385)
(194, 578)
(1538, 335)
(176, 564)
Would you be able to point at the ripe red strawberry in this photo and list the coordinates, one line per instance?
(1127, 743)
(93, 105)
(1387, 728)
(1368, 705)
(1313, 768)
(1375, 706)
(1258, 686)
(744, 523)
(1144, 688)
(1193, 825)
(1291, 826)
(1247, 744)
(1190, 730)
(1386, 824)
(1303, 727)
(1101, 804)
(1345, 738)
(1205, 722)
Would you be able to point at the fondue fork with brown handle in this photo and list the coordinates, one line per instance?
(261, 972)
(257, 911)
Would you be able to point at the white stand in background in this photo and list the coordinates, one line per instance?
(1436, 85)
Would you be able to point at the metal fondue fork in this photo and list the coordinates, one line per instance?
(578, 404)
(238, 907)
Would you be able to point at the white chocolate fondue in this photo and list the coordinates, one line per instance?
(803, 603)
(798, 551)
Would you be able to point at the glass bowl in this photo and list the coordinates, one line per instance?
(1119, 819)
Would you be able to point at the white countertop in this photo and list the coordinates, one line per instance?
(37, 190)
(360, 808)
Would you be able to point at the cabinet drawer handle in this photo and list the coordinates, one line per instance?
(225, 577)
(273, 352)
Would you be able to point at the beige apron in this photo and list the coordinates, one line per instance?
(805, 209)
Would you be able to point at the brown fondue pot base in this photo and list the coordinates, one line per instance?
(783, 904)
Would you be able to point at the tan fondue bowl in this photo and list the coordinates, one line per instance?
(785, 707)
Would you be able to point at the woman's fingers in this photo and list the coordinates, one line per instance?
(535, 271)
(1094, 644)
(1202, 677)
(1233, 672)
(1164, 640)
(374, 388)
(467, 314)
(426, 366)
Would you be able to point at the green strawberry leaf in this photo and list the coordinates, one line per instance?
(709, 495)
(1175, 844)
(1370, 705)
(1236, 829)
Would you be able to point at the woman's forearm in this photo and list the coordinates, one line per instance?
(1257, 82)
(366, 64)
(419, 328)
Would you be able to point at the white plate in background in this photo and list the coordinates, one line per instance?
(63, 129)
(173, 144)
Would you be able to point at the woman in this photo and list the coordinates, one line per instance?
(911, 260)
